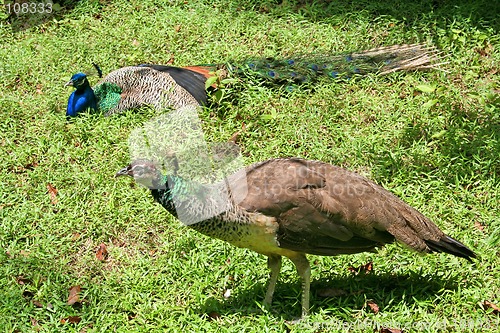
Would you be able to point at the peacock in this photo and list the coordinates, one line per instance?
(292, 207)
(163, 86)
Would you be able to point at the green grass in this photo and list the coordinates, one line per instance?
(438, 150)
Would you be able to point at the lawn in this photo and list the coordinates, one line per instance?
(432, 138)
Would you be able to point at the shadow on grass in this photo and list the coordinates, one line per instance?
(467, 148)
(385, 289)
(480, 13)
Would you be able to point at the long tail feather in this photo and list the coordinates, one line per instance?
(307, 68)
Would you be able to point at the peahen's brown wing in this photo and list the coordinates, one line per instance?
(324, 209)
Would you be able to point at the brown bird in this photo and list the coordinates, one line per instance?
(292, 207)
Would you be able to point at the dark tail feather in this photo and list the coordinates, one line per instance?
(451, 246)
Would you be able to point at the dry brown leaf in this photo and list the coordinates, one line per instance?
(102, 252)
(135, 42)
(52, 193)
(38, 304)
(177, 28)
(331, 292)
(22, 280)
(390, 330)
(373, 306)
(489, 305)
(2, 206)
(478, 225)
(71, 320)
(34, 322)
(366, 268)
(74, 296)
(234, 138)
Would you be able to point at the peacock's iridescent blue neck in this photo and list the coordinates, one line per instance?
(81, 99)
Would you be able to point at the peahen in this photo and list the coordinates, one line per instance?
(292, 207)
(167, 86)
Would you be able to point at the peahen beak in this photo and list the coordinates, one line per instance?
(127, 171)
(69, 83)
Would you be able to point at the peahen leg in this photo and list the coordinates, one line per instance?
(274, 264)
(304, 270)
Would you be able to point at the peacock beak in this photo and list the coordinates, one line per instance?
(69, 83)
(127, 171)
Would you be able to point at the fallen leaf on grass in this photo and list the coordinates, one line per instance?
(390, 330)
(367, 268)
(52, 193)
(102, 252)
(373, 306)
(38, 304)
(71, 320)
(34, 322)
(74, 296)
(234, 138)
(22, 280)
(479, 226)
(489, 305)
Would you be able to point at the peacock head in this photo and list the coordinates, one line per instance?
(144, 172)
(78, 80)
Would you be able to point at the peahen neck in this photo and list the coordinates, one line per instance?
(192, 202)
(164, 195)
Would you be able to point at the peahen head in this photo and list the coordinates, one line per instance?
(144, 172)
(82, 98)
